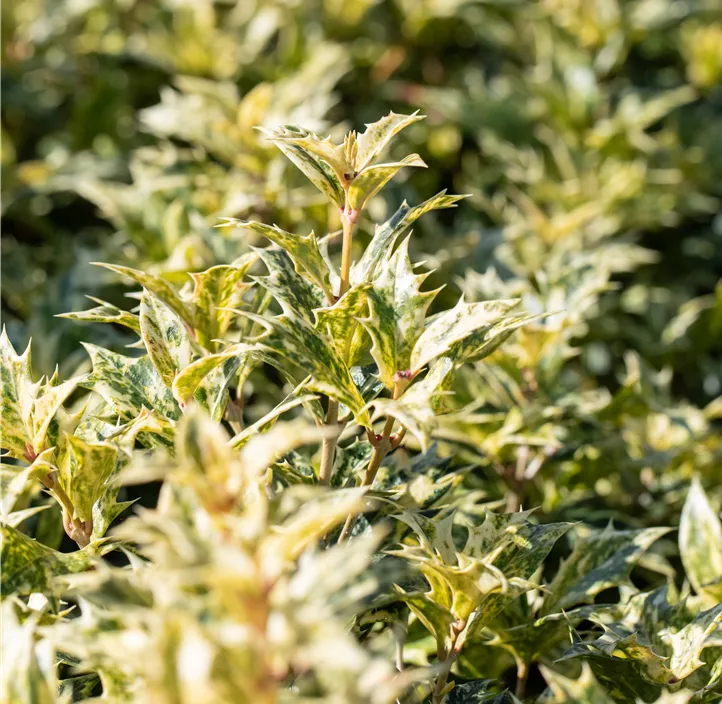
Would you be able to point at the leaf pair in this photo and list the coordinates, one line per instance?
(346, 172)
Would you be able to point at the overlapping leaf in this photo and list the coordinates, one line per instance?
(397, 313)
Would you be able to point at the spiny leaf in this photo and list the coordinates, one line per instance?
(28, 408)
(687, 644)
(29, 566)
(159, 287)
(17, 395)
(601, 560)
(311, 144)
(304, 251)
(456, 325)
(296, 295)
(298, 342)
(339, 323)
(84, 473)
(129, 384)
(700, 543)
(436, 619)
(397, 313)
(386, 235)
(165, 338)
(378, 134)
(216, 291)
(315, 169)
(485, 341)
(373, 178)
(105, 313)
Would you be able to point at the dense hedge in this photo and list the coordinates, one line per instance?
(586, 135)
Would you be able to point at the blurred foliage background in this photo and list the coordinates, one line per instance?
(587, 132)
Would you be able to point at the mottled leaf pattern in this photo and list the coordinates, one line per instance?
(378, 134)
(31, 567)
(700, 543)
(687, 644)
(84, 473)
(386, 235)
(340, 323)
(315, 169)
(296, 295)
(397, 312)
(297, 341)
(129, 384)
(304, 251)
(17, 394)
(105, 313)
(165, 338)
(159, 287)
(455, 325)
(601, 560)
(216, 292)
(372, 179)
(28, 408)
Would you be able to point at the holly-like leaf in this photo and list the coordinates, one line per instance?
(165, 338)
(373, 178)
(298, 342)
(17, 398)
(159, 287)
(296, 295)
(28, 408)
(436, 619)
(315, 169)
(216, 292)
(340, 323)
(456, 325)
(29, 566)
(397, 313)
(316, 147)
(129, 384)
(378, 134)
(386, 235)
(204, 379)
(304, 251)
(599, 561)
(486, 340)
(688, 643)
(700, 543)
(84, 472)
(105, 313)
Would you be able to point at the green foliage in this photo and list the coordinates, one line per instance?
(332, 427)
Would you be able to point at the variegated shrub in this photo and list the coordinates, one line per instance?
(320, 543)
